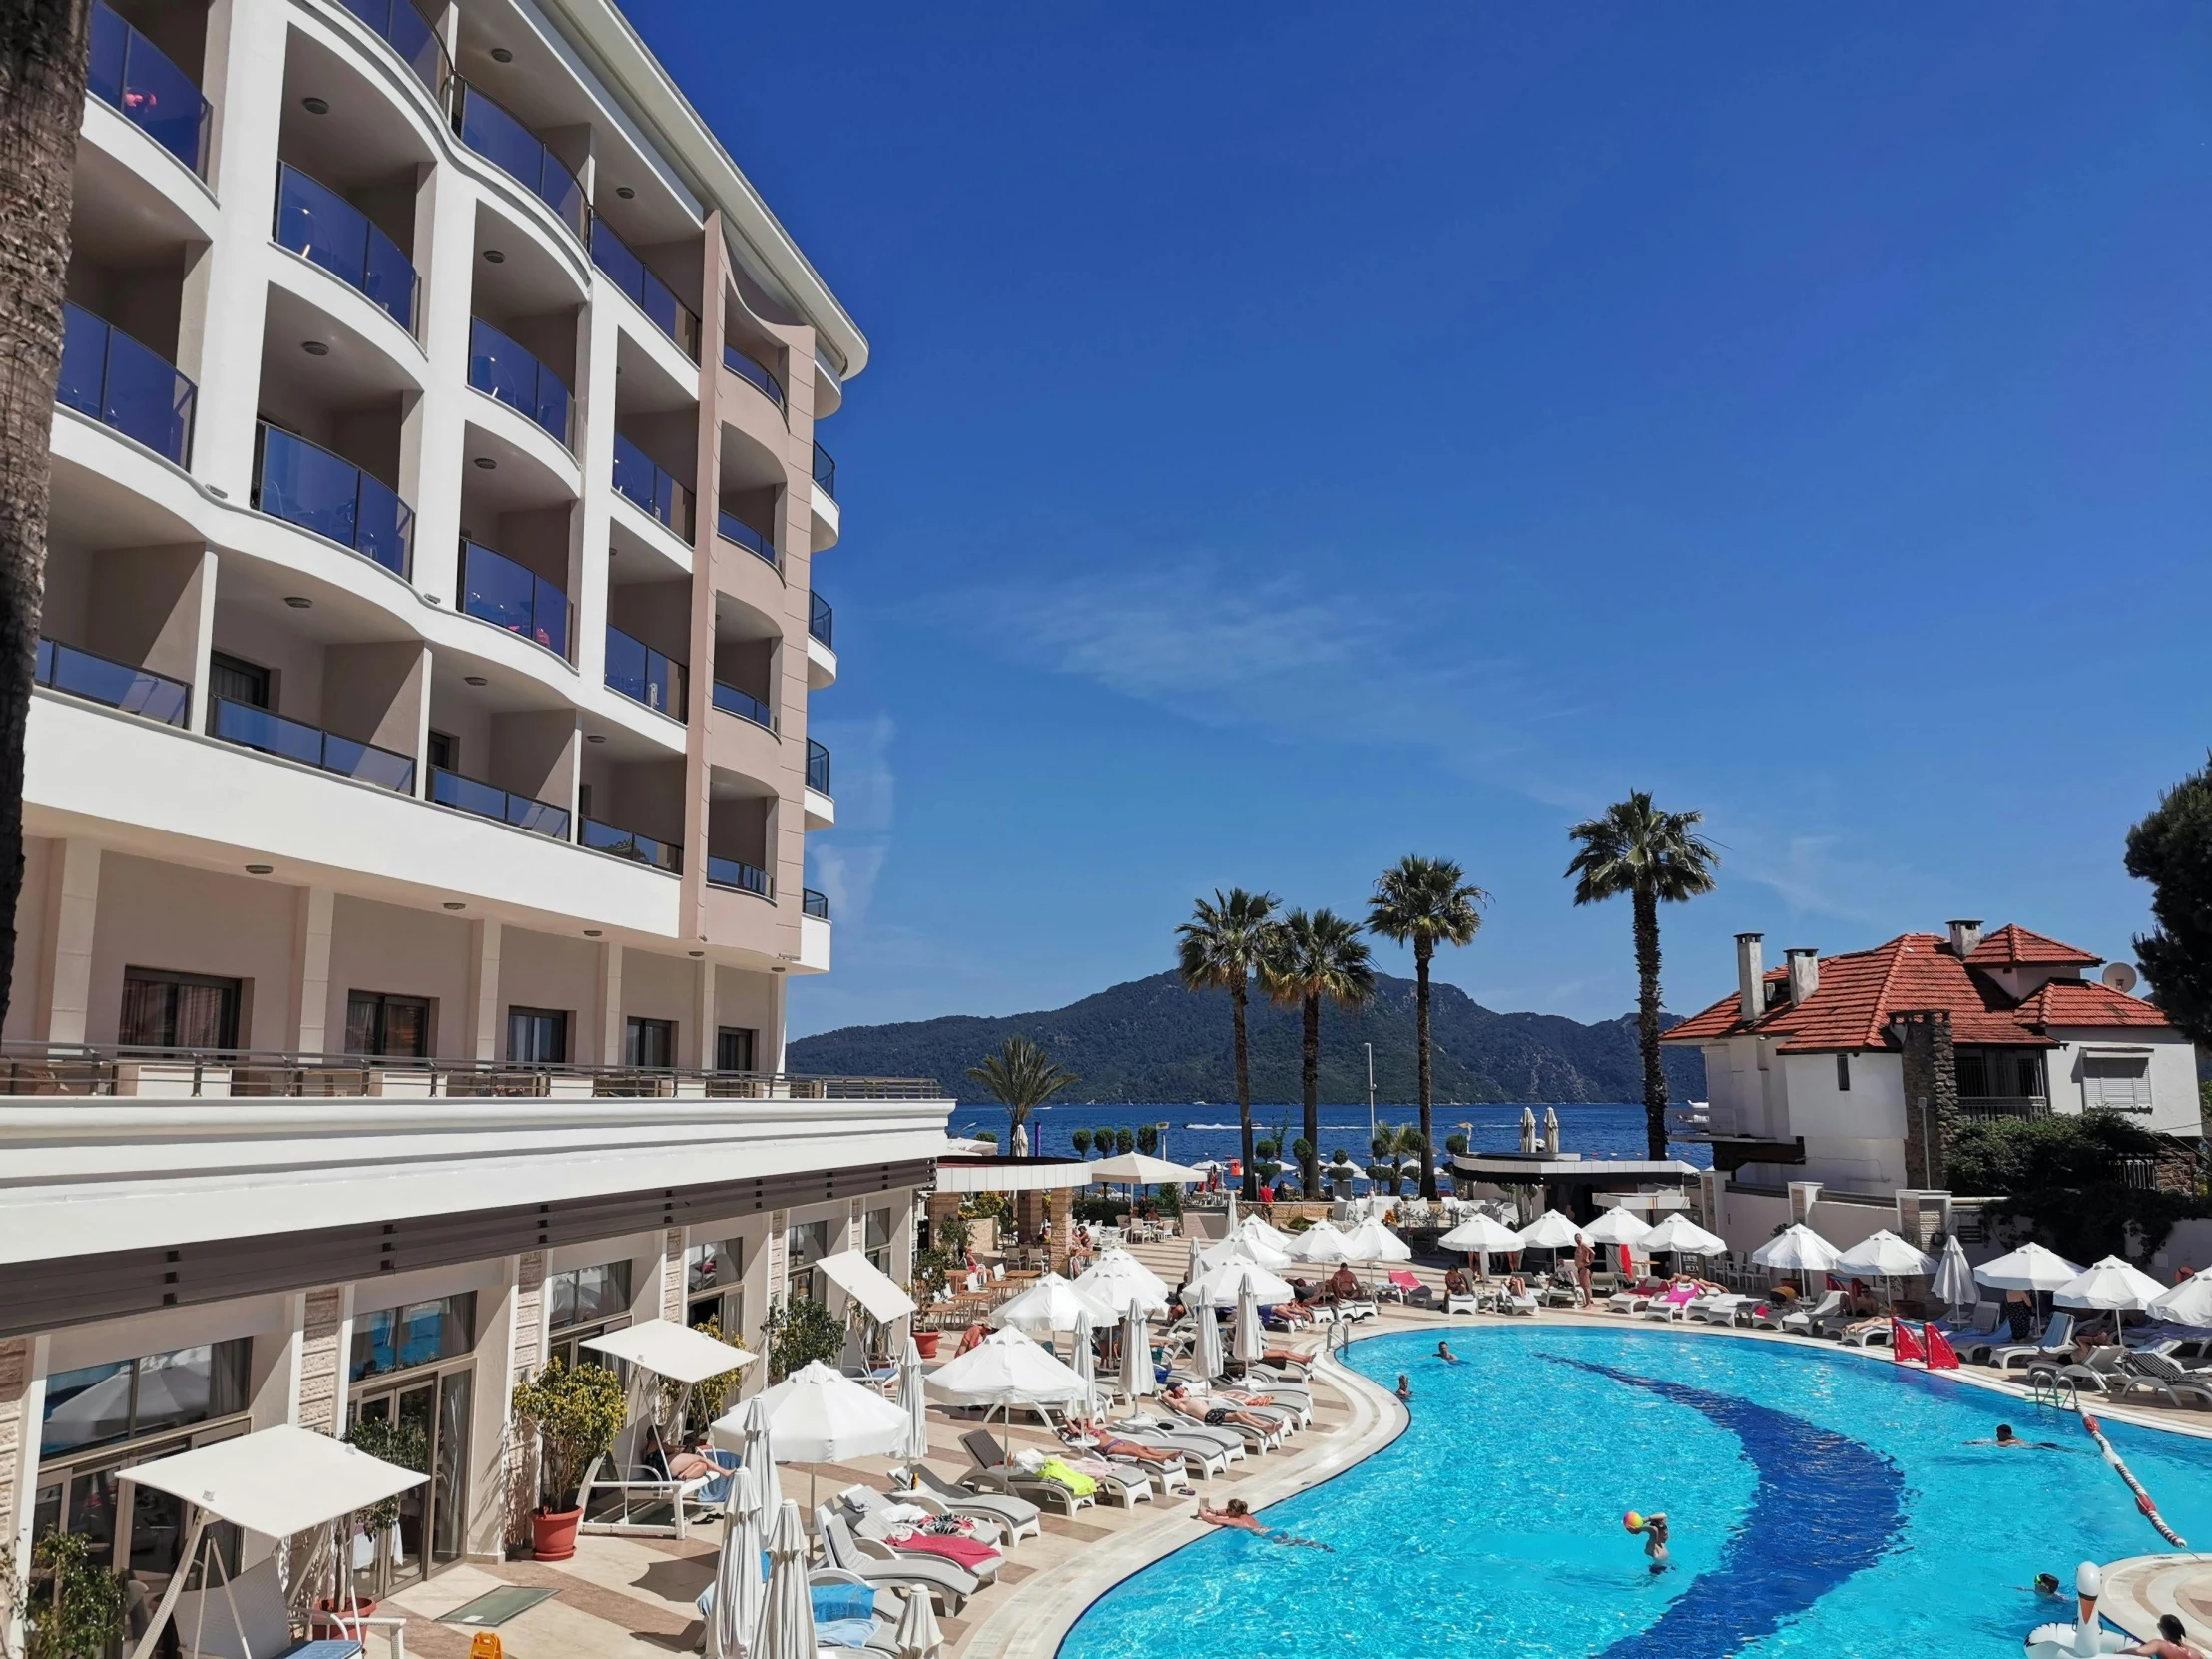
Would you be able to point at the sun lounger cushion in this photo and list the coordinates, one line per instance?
(843, 1601)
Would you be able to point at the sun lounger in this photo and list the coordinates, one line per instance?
(1868, 1332)
(1636, 1300)
(1725, 1309)
(262, 1628)
(954, 1585)
(2056, 1342)
(1673, 1305)
(1813, 1320)
(863, 1503)
(2179, 1384)
(1255, 1438)
(1508, 1302)
(876, 1535)
(1017, 1517)
(882, 1635)
(993, 1473)
(1217, 1445)
(1462, 1301)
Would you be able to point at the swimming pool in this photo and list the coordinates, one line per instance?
(1820, 1505)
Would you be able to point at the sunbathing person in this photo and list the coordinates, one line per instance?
(1109, 1444)
(1455, 1281)
(1183, 1405)
(1343, 1287)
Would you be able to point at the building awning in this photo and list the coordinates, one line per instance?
(866, 1284)
(1509, 1167)
(278, 1482)
(669, 1350)
(1010, 1175)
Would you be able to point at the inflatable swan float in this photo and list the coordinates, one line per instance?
(2068, 1641)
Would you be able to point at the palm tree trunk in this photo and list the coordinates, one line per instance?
(1309, 1169)
(43, 45)
(1647, 1022)
(1422, 949)
(1243, 1095)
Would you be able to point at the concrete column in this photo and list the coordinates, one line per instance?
(202, 641)
(310, 982)
(482, 1033)
(325, 1335)
(489, 1455)
(700, 1051)
(72, 909)
(1708, 1212)
(22, 1405)
(773, 1254)
(770, 1057)
(610, 1004)
(1063, 1226)
(433, 438)
(674, 1241)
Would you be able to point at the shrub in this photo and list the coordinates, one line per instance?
(995, 1206)
(799, 1333)
(1125, 1141)
(395, 1441)
(2065, 1179)
(1099, 1211)
(576, 1416)
(1148, 1139)
(1081, 1141)
(76, 1610)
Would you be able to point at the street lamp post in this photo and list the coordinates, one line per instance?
(1369, 1047)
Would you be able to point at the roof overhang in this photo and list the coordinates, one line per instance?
(867, 1283)
(1009, 1175)
(1509, 1168)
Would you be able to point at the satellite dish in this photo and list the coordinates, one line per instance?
(2119, 976)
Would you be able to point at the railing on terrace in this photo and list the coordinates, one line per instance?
(1982, 1107)
(128, 71)
(645, 676)
(495, 589)
(744, 704)
(755, 372)
(652, 296)
(732, 528)
(320, 226)
(504, 370)
(628, 843)
(825, 471)
(815, 904)
(136, 691)
(127, 386)
(817, 767)
(541, 817)
(296, 740)
(502, 140)
(80, 1069)
(820, 619)
(738, 875)
(408, 33)
(648, 486)
(304, 484)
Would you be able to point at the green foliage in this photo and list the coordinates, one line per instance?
(2062, 1177)
(1425, 902)
(711, 1395)
(1020, 1077)
(798, 1333)
(2172, 849)
(1148, 1139)
(1125, 1141)
(1302, 1150)
(990, 1135)
(76, 1608)
(933, 1268)
(577, 1415)
(1099, 1211)
(1265, 1148)
(396, 1441)
(1081, 1141)
(998, 1207)
(1456, 1145)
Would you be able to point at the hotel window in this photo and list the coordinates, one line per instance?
(804, 1244)
(96, 1405)
(445, 751)
(178, 1010)
(237, 681)
(650, 1042)
(1842, 1072)
(418, 1333)
(713, 1285)
(537, 1036)
(2116, 1082)
(583, 1302)
(877, 1234)
(736, 1049)
(395, 1025)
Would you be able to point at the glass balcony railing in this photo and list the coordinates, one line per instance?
(136, 691)
(128, 71)
(319, 224)
(652, 296)
(496, 590)
(124, 385)
(643, 675)
(750, 369)
(406, 32)
(644, 485)
(817, 767)
(304, 484)
(625, 843)
(732, 528)
(815, 904)
(744, 704)
(825, 471)
(820, 619)
(540, 817)
(502, 140)
(739, 876)
(272, 733)
(501, 369)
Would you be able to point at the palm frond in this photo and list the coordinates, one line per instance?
(1635, 846)
(1425, 902)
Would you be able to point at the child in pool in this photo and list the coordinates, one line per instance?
(1654, 1530)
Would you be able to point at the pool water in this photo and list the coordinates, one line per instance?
(1819, 1504)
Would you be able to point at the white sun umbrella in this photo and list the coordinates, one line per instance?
(1006, 1369)
(739, 1591)
(1052, 1304)
(1883, 1255)
(1618, 1226)
(1197, 1264)
(1682, 1236)
(1954, 1284)
(1086, 1364)
(817, 1416)
(1320, 1243)
(2029, 1267)
(1796, 1249)
(2188, 1303)
(1246, 1246)
(746, 1432)
(1258, 1227)
(1222, 1285)
(1484, 1235)
(912, 1401)
(1549, 1230)
(1118, 1278)
(917, 1635)
(1250, 1342)
(1136, 1355)
(2113, 1285)
(1205, 1340)
(1370, 1241)
(788, 1619)
(1144, 1170)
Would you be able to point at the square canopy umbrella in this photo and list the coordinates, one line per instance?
(1954, 1284)
(1222, 1285)
(1145, 1171)
(1482, 1234)
(1052, 1304)
(1246, 1246)
(1370, 1241)
(817, 1416)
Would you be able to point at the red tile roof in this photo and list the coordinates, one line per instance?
(1862, 990)
(2016, 946)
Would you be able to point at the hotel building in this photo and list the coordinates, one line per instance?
(419, 774)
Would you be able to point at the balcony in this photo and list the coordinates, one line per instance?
(272, 733)
(651, 295)
(750, 370)
(643, 675)
(820, 619)
(304, 484)
(540, 817)
(815, 904)
(744, 704)
(739, 877)
(496, 590)
(732, 528)
(1985, 1107)
(825, 471)
(817, 767)
(646, 486)
(320, 226)
(403, 29)
(625, 843)
(508, 145)
(501, 369)
(124, 385)
(136, 691)
(128, 71)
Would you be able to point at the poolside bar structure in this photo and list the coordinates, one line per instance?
(1568, 1181)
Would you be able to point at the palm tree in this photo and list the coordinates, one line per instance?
(1657, 857)
(1424, 903)
(1312, 958)
(44, 45)
(1218, 949)
(1021, 1077)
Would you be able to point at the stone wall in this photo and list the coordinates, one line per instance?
(319, 1358)
(1930, 1093)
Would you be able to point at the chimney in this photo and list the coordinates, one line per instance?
(1965, 939)
(1750, 990)
(1805, 972)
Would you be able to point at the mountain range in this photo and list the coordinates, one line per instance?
(1152, 1040)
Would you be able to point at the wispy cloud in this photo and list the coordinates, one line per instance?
(848, 859)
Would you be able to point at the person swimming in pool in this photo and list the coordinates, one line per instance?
(1237, 1517)
(1404, 1389)
(1444, 1352)
(1654, 1530)
(2013, 1443)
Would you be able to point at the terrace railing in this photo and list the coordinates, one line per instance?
(504, 370)
(542, 818)
(652, 296)
(751, 369)
(645, 676)
(128, 71)
(817, 767)
(732, 528)
(628, 843)
(505, 142)
(646, 485)
(825, 471)
(296, 740)
(136, 691)
(304, 484)
(495, 589)
(127, 386)
(815, 904)
(744, 704)
(408, 33)
(738, 876)
(320, 226)
(820, 619)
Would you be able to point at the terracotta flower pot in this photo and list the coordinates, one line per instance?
(553, 1534)
(925, 1342)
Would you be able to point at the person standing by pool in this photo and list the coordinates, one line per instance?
(1583, 1257)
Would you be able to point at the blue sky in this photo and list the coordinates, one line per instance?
(1300, 435)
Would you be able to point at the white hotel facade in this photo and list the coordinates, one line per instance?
(419, 781)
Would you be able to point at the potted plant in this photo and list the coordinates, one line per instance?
(575, 1417)
(394, 1441)
(798, 1333)
(76, 1606)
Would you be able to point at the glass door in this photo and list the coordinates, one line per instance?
(430, 1531)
